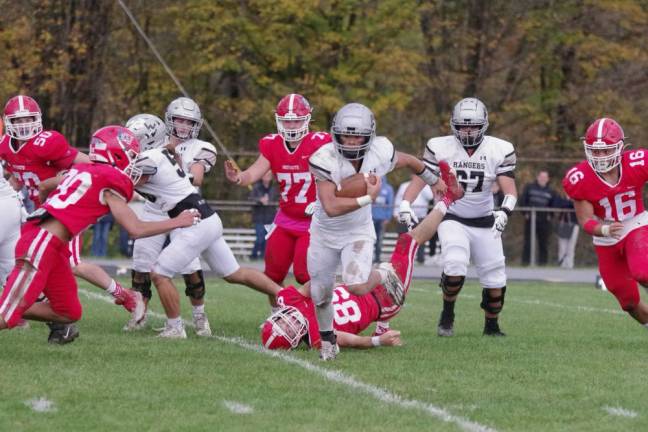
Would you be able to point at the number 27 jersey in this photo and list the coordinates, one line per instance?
(622, 202)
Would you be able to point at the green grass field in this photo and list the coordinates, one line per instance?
(572, 361)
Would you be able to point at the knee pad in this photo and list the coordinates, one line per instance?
(142, 283)
(492, 304)
(194, 288)
(451, 287)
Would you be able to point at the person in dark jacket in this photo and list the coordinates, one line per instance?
(265, 195)
(538, 194)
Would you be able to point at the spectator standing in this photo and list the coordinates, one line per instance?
(419, 208)
(264, 194)
(567, 231)
(100, 233)
(381, 211)
(537, 194)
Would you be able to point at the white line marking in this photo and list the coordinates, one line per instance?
(238, 408)
(379, 393)
(41, 405)
(621, 412)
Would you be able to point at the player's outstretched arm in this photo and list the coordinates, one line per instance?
(390, 338)
(250, 175)
(422, 172)
(137, 228)
(337, 206)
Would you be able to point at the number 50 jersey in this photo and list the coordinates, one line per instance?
(476, 172)
(622, 202)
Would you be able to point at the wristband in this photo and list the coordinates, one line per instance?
(364, 200)
(605, 230)
(508, 204)
(428, 176)
(375, 341)
(590, 226)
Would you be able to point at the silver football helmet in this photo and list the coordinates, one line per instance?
(150, 130)
(353, 119)
(183, 108)
(469, 122)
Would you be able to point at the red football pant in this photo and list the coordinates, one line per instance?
(42, 266)
(283, 248)
(625, 264)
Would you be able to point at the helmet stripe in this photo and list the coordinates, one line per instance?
(291, 103)
(21, 104)
(599, 130)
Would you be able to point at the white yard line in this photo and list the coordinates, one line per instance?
(41, 405)
(578, 308)
(237, 407)
(349, 381)
(621, 412)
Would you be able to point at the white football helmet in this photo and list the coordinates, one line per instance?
(353, 119)
(469, 112)
(150, 130)
(183, 108)
(284, 329)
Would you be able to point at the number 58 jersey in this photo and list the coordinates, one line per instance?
(476, 172)
(622, 202)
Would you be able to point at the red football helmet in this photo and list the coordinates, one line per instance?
(603, 142)
(19, 107)
(117, 146)
(284, 329)
(293, 108)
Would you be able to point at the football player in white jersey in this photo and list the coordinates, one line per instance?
(151, 132)
(342, 230)
(170, 190)
(9, 225)
(471, 230)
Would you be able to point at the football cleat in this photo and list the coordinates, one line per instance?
(392, 283)
(134, 325)
(455, 191)
(493, 330)
(202, 325)
(446, 325)
(382, 327)
(169, 332)
(62, 333)
(329, 351)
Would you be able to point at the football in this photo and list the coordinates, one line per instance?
(355, 186)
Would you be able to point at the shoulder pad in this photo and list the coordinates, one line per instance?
(323, 163)
(148, 161)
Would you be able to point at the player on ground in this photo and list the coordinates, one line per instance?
(296, 321)
(33, 156)
(169, 189)
(607, 193)
(86, 192)
(465, 233)
(342, 230)
(286, 154)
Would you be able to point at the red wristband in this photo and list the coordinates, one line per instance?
(590, 226)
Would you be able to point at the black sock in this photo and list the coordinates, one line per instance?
(491, 323)
(448, 307)
(328, 336)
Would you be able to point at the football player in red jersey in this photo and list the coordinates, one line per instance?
(296, 320)
(86, 192)
(286, 154)
(607, 193)
(35, 156)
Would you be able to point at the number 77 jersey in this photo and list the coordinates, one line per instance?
(622, 202)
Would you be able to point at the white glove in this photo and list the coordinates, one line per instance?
(501, 219)
(405, 214)
(310, 209)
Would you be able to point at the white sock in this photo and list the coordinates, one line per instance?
(200, 309)
(174, 322)
(112, 287)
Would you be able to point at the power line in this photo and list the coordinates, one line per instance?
(170, 73)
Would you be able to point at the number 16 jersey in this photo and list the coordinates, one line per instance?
(622, 202)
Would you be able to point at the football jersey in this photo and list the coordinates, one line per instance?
(476, 172)
(168, 184)
(328, 164)
(78, 200)
(196, 151)
(622, 202)
(290, 167)
(40, 158)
